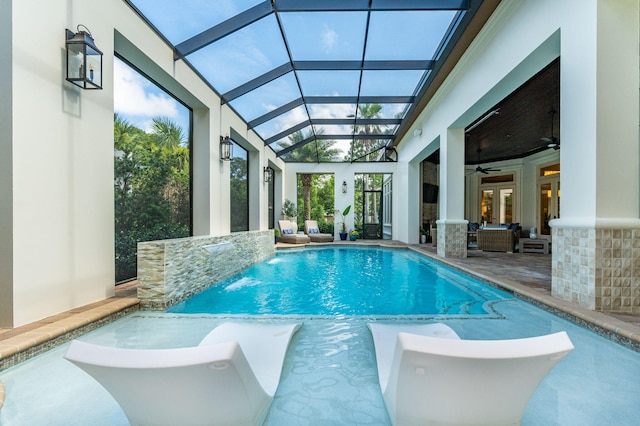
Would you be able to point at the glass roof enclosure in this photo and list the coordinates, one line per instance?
(329, 80)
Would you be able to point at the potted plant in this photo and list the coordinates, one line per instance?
(353, 235)
(343, 225)
(289, 210)
(276, 235)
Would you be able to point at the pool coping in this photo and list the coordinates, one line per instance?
(50, 332)
(22, 343)
(600, 323)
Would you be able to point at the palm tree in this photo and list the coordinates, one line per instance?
(167, 133)
(366, 147)
(365, 151)
(312, 152)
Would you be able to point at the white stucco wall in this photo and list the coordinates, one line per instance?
(6, 164)
(62, 152)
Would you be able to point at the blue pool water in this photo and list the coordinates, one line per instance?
(329, 376)
(346, 281)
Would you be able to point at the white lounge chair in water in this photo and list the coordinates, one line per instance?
(230, 378)
(429, 376)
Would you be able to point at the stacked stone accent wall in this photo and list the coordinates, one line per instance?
(170, 271)
(597, 268)
(452, 239)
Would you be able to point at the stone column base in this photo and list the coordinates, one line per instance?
(597, 268)
(452, 239)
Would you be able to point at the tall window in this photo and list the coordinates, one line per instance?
(368, 199)
(316, 200)
(152, 184)
(548, 197)
(239, 189)
(497, 199)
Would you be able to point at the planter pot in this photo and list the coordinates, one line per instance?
(423, 239)
(353, 237)
(343, 236)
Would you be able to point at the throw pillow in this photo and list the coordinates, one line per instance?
(314, 231)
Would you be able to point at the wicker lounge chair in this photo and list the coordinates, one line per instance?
(428, 379)
(311, 229)
(289, 233)
(230, 378)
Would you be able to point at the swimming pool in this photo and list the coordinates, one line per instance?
(346, 281)
(329, 376)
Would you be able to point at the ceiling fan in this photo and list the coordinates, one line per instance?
(485, 170)
(552, 141)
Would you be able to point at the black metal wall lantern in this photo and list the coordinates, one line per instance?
(268, 174)
(225, 148)
(84, 59)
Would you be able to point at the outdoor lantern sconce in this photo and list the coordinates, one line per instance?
(84, 59)
(225, 148)
(268, 174)
(344, 186)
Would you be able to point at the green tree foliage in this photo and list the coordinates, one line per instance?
(312, 152)
(367, 203)
(367, 149)
(152, 189)
(321, 200)
(239, 192)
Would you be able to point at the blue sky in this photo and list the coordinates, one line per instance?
(138, 100)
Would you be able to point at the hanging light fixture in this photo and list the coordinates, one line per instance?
(226, 149)
(268, 174)
(344, 186)
(84, 59)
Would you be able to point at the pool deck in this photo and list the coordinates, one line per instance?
(526, 275)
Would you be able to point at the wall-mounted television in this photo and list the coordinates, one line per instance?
(429, 193)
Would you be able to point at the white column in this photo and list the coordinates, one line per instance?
(342, 200)
(203, 144)
(452, 226)
(593, 255)
(6, 171)
(406, 202)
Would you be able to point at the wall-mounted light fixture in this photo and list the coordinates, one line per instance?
(226, 150)
(268, 174)
(344, 186)
(84, 59)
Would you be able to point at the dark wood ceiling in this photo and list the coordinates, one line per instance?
(522, 121)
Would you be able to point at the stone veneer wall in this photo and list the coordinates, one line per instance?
(597, 268)
(452, 239)
(170, 271)
(429, 210)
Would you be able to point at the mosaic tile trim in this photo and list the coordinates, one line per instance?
(604, 328)
(170, 271)
(597, 268)
(602, 331)
(452, 239)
